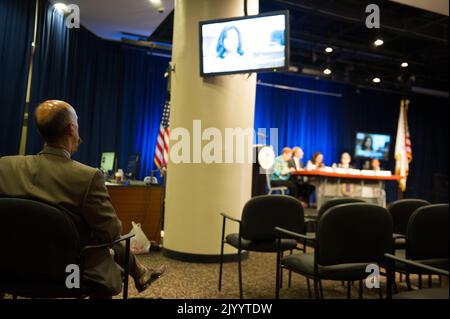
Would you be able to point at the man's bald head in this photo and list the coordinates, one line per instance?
(52, 119)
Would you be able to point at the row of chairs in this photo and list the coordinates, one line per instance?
(350, 234)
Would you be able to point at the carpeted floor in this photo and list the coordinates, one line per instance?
(193, 280)
(184, 280)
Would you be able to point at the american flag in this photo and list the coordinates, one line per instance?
(403, 148)
(162, 145)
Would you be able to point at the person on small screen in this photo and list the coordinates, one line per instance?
(345, 161)
(229, 43)
(281, 175)
(375, 164)
(316, 161)
(367, 144)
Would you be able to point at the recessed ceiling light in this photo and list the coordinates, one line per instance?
(376, 80)
(404, 64)
(155, 1)
(60, 6)
(328, 49)
(327, 71)
(378, 42)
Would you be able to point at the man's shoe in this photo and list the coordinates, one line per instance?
(149, 276)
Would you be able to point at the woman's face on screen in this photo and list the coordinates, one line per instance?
(231, 41)
(368, 143)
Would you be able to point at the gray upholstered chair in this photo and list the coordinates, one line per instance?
(39, 242)
(401, 210)
(349, 237)
(426, 241)
(260, 216)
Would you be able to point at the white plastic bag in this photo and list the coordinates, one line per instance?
(139, 243)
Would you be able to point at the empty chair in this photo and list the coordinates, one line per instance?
(349, 237)
(334, 202)
(39, 242)
(256, 228)
(426, 241)
(432, 293)
(401, 210)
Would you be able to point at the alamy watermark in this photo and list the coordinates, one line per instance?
(72, 14)
(373, 19)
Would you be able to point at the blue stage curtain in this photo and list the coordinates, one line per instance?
(329, 124)
(50, 67)
(143, 100)
(117, 90)
(16, 35)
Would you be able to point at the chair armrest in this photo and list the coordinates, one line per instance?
(294, 234)
(418, 265)
(121, 238)
(230, 218)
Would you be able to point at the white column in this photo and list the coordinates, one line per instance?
(197, 192)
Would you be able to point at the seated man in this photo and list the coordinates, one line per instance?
(282, 173)
(304, 188)
(53, 177)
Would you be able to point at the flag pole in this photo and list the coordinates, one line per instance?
(163, 170)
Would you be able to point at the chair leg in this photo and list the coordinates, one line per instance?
(320, 289)
(241, 293)
(408, 281)
(126, 268)
(290, 276)
(361, 289)
(277, 278)
(309, 287)
(316, 288)
(221, 266)
(349, 289)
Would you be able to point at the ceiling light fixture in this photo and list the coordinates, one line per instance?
(378, 42)
(61, 7)
(327, 71)
(404, 64)
(328, 49)
(376, 80)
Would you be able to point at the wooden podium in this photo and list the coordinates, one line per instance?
(141, 204)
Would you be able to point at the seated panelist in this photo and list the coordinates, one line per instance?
(304, 188)
(316, 161)
(295, 161)
(281, 175)
(345, 161)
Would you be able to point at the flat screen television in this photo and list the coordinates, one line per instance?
(244, 44)
(372, 146)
